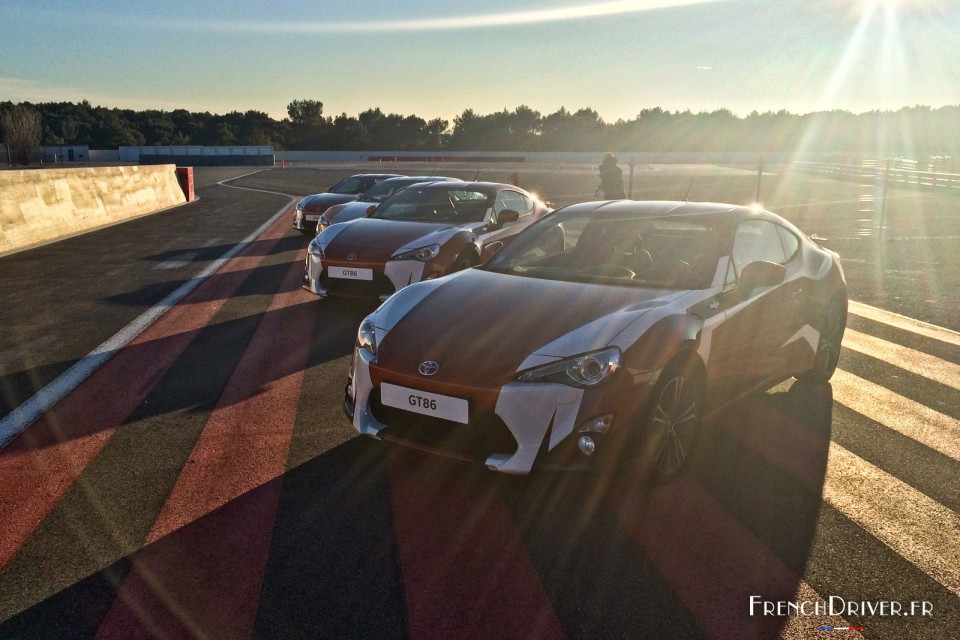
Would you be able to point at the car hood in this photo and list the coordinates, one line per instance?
(376, 240)
(350, 211)
(483, 327)
(319, 202)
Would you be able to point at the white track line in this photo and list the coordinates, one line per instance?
(915, 526)
(922, 364)
(30, 411)
(903, 322)
(918, 422)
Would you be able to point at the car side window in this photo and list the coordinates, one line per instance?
(757, 240)
(731, 277)
(349, 186)
(510, 200)
(790, 242)
(527, 205)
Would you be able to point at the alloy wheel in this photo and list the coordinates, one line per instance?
(674, 423)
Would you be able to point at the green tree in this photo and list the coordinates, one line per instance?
(224, 134)
(253, 127)
(115, 130)
(347, 133)
(579, 131)
(305, 112)
(21, 128)
(157, 127)
(435, 134)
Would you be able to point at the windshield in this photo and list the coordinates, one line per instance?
(424, 204)
(383, 190)
(348, 186)
(669, 252)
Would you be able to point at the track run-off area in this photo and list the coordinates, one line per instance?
(178, 466)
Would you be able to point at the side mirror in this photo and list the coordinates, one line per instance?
(494, 246)
(490, 250)
(761, 274)
(507, 215)
(371, 209)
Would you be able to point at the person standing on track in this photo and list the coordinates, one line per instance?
(611, 179)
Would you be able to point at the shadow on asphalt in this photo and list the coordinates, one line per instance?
(367, 540)
(194, 383)
(256, 248)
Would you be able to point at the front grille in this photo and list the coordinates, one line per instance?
(485, 435)
(380, 285)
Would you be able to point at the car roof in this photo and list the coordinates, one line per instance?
(377, 175)
(658, 208)
(478, 186)
(423, 179)
(642, 208)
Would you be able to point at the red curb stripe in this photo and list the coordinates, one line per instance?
(466, 572)
(247, 438)
(41, 464)
(202, 574)
(783, 442)
(711, 561)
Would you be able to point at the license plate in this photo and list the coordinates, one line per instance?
(348, 273)
(312, 218)
(422, 402)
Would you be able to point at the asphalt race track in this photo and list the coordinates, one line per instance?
(204, 483)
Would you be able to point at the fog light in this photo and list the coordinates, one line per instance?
(587, 445)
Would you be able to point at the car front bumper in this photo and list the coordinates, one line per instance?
(311, 276)
(539, 417)
(305, 220)
(391, 277)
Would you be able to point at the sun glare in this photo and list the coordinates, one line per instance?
(875, 56)
(891, 7)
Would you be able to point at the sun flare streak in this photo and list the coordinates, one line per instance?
(449, 23)
(846, 62)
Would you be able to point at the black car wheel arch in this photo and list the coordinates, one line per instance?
(831, 325)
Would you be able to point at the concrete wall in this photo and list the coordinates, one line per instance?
(227, 155)
(60, 154)
(41, 205)
(551, 157)
(105, 155)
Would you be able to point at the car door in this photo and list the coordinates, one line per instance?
(512, 200)
(746, 345)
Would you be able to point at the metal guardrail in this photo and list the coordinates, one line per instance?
(884, 174)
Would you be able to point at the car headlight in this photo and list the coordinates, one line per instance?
(300, 206)
(585, 370)
(423, 254)
(367, 335)
(315, 248)
(323, 220)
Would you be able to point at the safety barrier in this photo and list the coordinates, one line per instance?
(41, 205)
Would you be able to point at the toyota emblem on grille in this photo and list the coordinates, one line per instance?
(429, 368)
(351, 257)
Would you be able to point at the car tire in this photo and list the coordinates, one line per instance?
(831, 325)
(672, 421)
(640, 453)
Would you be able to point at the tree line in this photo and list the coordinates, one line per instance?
(306, 127)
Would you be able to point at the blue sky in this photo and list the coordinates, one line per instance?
(435, 58)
